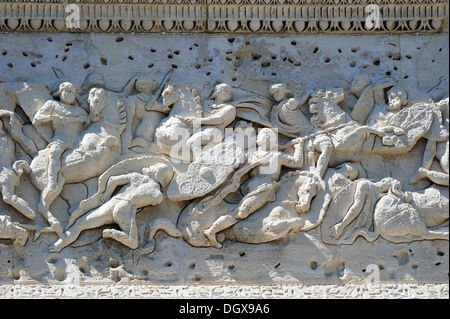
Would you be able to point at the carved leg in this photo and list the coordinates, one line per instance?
(436, 177)
(220, 224)
(125, 217)
(44, 206)
(18, 203)
(53, 169)
(162, 224)
(99, 217)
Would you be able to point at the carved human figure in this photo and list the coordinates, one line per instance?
(365, 196)
(381, 114)
(10, 173)
(438, 150)
(382, 209)
(363, 96)
(211, 129)
(137, 190)
(148, 112)
(67, 119)
(335, 132)
(286, 114)
(261, 186)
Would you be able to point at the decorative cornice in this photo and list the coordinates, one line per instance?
(224, 16)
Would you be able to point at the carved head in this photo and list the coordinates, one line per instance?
(359, 83)
(97, 101)
(66, 93)
(267, 139)
(397, 98)
(222, 93)
(279, 92)
(170, 95)
(162, 172)
(323, 106)
(308, 186)
(146, 85)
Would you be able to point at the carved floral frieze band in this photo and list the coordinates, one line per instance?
(222, 16)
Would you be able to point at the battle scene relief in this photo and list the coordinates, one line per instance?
(223, 158)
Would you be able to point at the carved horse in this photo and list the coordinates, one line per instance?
(98, 147)
(397, 217)
(300, 205)
(183, 102)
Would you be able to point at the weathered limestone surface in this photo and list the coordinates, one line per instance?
(123, 163)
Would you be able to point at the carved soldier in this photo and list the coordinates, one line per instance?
(138, 190)
(212, 127)
(67, 119)
(10, 175)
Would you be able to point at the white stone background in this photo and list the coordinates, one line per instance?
(249, 62)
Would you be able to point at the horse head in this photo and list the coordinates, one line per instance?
(308, 186)
(170, 95)
(324, 107)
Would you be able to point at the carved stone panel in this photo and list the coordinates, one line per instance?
(223, 158)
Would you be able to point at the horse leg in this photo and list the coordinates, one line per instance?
(152, 228)
(220, 224)
(162, 224)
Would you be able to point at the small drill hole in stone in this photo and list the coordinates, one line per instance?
(168, 263)
(315, 50)
(376, 61)
(104, 61)
(86, 66)
(150, 65)
(119, 39)
(10, 65)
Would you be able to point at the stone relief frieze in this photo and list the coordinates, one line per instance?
(233, 164)
(239, 16)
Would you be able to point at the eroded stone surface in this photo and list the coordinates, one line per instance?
(344, 172)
